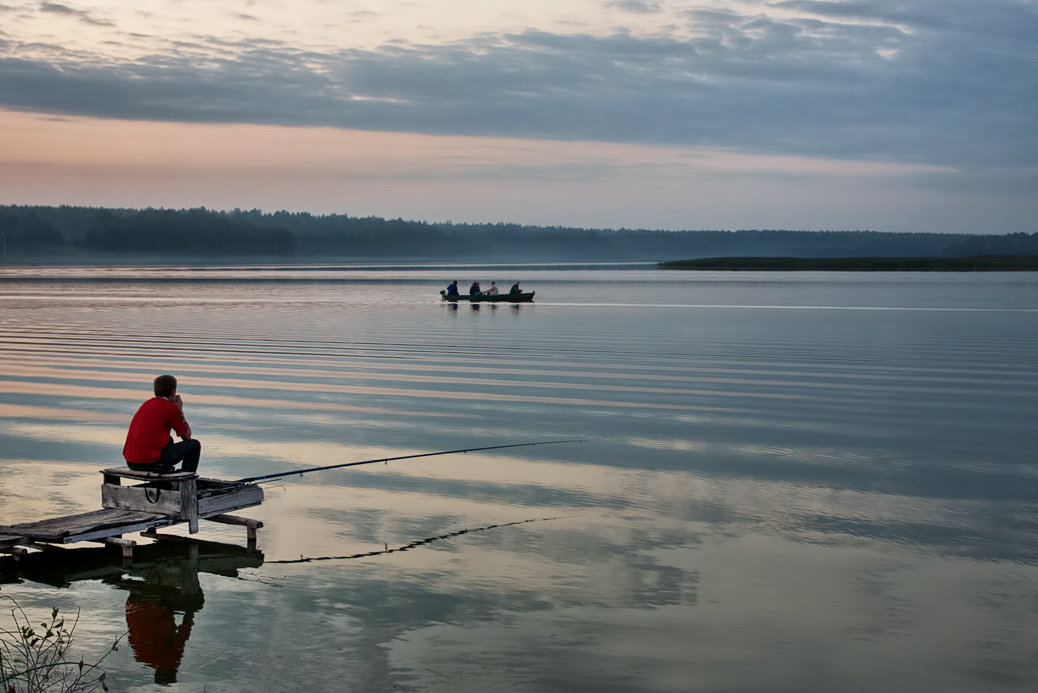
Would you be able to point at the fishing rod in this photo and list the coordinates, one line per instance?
(278, 475)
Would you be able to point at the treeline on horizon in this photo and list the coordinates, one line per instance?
(972, 263)
(47, 233)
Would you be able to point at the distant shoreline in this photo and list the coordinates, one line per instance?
(978, 263)
(75, 235)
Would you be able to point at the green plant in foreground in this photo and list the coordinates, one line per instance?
(35, 659)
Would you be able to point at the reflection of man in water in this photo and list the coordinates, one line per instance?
(155, 637)
(169, 587)
(163, 589)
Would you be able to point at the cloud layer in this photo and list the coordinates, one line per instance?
(951, 83)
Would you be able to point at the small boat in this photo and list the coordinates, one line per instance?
(525, 297)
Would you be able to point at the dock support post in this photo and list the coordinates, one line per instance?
(189, 503)
(16, 552)
(125, 544)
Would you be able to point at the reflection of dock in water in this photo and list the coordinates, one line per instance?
(160, 501)
(162, 562)
(164, 592)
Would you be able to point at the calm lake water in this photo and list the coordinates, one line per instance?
(788, 481)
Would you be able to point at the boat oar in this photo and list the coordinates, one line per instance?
(267, 477)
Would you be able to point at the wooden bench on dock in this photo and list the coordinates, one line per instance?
(160, 500)
(184, 496)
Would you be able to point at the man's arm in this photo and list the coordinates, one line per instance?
(186, 433)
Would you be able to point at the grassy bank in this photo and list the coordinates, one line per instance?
(979, 263)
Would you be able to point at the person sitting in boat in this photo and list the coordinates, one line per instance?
(492, 291)
(474, 289)
(149, 447)
(515, 289)
(452, 288)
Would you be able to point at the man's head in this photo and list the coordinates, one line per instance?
(165, 386)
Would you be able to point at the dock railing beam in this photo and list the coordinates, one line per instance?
(251, 525)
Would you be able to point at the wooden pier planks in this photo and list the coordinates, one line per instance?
(161, 501)
(97, 524)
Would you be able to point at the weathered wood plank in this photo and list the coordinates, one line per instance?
(235, 520)
(244, 496)
(127, 473)
(141, 499)
(105, 532)
(59, 529)
(208, 499)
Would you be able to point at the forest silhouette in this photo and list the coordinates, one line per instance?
(67, 233)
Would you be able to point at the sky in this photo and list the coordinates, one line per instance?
(887, 115)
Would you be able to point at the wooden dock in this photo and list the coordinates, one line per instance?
(160, 500)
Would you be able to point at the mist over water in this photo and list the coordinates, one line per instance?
(788, 481)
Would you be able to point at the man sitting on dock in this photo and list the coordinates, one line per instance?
(149, 446)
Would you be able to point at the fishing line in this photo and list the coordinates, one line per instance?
(418, 542)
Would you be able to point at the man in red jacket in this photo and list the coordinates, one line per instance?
(149, 446)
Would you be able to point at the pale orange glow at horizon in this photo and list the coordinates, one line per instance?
(141, 145)
(95, 162)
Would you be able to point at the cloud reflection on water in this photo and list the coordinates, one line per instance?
(767, 500)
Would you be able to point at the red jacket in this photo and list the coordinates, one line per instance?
(149, 430)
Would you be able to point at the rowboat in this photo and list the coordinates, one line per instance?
(525, 297)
